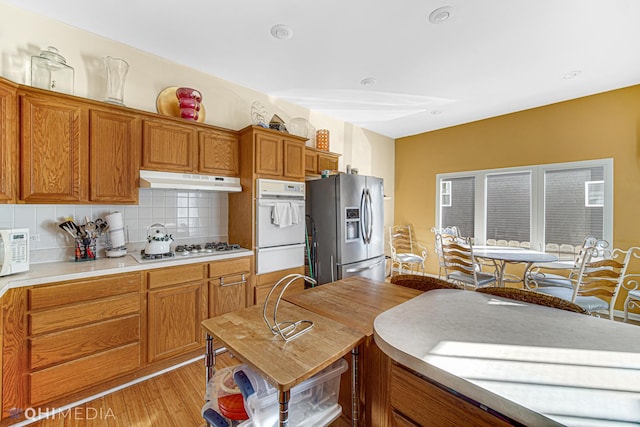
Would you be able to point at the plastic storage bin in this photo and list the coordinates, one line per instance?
(312, 403)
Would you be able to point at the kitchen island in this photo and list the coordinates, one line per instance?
(356, 302)
(513, 362)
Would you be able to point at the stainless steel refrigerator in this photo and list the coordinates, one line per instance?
(347, 214)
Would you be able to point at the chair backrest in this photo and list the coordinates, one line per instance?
(458, 256)
(532, 297)
(591, 247)
(444, 231)
(603, 273)
(422, 283)
(401, 239)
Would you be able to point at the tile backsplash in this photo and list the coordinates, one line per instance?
(190, 216)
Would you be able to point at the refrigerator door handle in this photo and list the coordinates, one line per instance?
(370, 267)
(363, 215)
(370, 218)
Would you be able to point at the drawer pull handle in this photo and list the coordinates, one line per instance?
(240, 282)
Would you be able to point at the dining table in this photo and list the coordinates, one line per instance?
(504, 255)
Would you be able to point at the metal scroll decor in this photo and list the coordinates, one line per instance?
(287, 329)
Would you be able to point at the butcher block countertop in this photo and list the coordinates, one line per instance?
(50, 272)
(354, 301)
(284, 364)
(537, 365)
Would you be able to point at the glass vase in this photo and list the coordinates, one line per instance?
(117, 70)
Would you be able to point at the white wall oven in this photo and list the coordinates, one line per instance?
(280, 225)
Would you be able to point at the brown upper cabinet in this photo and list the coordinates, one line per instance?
(114, 157)
(73, 152)
(274, 154)
(315, 161)
(54, 149)
(8, 142)
(219, 153)
(170, 146)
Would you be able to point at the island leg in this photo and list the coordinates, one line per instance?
(210, 366)
(355, 387)
(283, 399)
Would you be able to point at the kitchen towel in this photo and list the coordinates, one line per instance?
(285, 214)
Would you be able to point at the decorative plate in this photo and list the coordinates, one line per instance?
(167, 104)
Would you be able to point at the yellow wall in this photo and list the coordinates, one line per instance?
(606, 125)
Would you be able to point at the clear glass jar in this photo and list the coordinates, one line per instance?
(50, 71)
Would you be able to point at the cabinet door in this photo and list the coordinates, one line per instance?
(168, 146)
(227, 293)
(264, 283)
(310, 162)
(218, 154)
(114, 149)
(175, 314)
(327, 162)
(54, 150)
(268, 154)
(293, 159)
(8, 145)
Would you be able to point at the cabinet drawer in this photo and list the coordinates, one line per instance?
(223, 268)
(80, 314)
(227, 293)
(427, 404)
(51, 383)
(83, 290)
(59, 347)
(174, 275)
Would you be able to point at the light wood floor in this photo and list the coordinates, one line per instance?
(173, 399)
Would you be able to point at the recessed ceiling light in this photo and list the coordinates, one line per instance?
(570, 74)
(441, 14)
(369, 81)
(436, 112)
(281, 32)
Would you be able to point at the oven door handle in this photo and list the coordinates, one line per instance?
(279, 248)
(271, 202)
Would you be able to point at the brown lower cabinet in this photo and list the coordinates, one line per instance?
(68, 340)
(418, 402)
(228, 284)
(264, 283)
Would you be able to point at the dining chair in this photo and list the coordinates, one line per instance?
(422, 283)
(542, 275)
(405, 250)
(438, 232)
(532, 297)
(600, 277)
(633, 298)
(460, 264)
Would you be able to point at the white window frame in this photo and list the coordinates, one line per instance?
(445, 188)
(537, 196)
(589, 189)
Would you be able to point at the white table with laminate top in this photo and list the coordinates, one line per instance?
(504, 255)
(537, 365)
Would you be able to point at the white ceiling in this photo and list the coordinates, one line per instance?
(491, 57)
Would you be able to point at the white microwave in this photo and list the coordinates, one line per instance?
(14, 251)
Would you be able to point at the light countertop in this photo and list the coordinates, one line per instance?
(535, 364)
(39, 274)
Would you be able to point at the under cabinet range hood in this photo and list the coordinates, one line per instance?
(189, 181)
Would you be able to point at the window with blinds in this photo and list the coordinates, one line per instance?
(542, 206)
